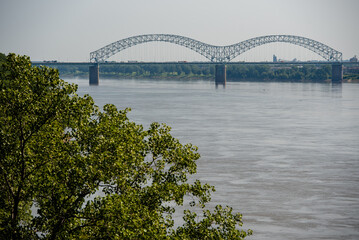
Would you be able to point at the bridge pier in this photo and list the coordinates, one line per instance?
(94, 74)
(337, 73)
(220, 75)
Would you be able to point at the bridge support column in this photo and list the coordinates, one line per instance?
(337, 73)
(220, 75)
(94, 74)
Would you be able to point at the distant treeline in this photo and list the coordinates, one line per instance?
(145, 70)
(240, 72)
(279, 72)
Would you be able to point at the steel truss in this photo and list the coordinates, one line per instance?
(216, 53)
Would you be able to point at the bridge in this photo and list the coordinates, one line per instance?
(216, 53)
(219, 55)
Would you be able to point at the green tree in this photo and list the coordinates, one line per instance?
(92, 174)
(2, 57)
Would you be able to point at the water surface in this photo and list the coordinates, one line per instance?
(285, 155)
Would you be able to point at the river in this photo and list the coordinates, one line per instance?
(285, 155)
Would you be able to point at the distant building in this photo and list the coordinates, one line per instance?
(353, 59)
(275, 58)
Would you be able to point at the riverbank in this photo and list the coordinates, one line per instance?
(352, 78)
(253, 73)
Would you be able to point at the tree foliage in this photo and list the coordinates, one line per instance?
(2, 57)
(71, 171)
(300, 73)
(235, 72)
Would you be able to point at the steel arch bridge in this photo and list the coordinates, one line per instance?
(216, 53)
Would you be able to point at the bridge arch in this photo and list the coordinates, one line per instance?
(216, 53)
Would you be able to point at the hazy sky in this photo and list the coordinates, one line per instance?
(68, 30)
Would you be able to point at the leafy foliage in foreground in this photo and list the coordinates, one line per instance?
(2, 57)
(58, 151)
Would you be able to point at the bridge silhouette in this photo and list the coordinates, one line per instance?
(219, 55)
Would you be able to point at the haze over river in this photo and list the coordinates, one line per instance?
(285, 155)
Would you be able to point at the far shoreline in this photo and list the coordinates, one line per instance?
(202, 78)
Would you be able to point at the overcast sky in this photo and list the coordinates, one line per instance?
(68, 30)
